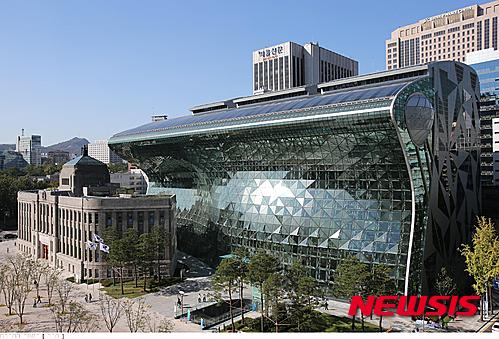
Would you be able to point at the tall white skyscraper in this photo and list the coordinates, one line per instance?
(30, 148)
(101, 151)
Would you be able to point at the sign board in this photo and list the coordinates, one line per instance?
(270, 53)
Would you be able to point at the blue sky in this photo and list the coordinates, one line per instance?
(94, 68)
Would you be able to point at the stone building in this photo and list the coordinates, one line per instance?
(56, 225)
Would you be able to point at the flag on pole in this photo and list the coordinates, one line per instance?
(96, 238)
(104, 247)
(91, 245)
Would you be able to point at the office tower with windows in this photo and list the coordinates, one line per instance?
(30, 147)
(486, 64)
(448, 36)
(290, 65)
(101, 151)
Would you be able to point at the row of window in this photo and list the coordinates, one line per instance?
(271, 74)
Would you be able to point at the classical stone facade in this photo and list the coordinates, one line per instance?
(55, 225)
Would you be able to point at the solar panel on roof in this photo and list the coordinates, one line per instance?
(348, 95)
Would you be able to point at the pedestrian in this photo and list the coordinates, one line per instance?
(199, 298)
(90, 297)
(325, 305)
(204, 298)
(34, 303)
(7, 250)
(39, 299)
(86, 298)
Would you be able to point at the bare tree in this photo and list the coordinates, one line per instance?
(38, 272)
(159, 325)
(23, 270)
(64, 291)
(74, 319)
(51, 277)
(111, 310)
(7, 284)
(137, 315)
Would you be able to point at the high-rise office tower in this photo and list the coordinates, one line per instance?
(289, 65)
(101, 151)
(30, 147)
(448, 36)
(486, 64)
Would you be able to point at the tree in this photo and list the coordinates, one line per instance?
(64, 290)
(482, 259)
(273, 289)
(118, 257)
(51, 276)
(7, 283)
(159, 239)
(226, 280)
(241, 257)
(350, 279)
(159, 325)
(111, 310)
(23, 270)
(38, 272)
(260, 268)
(300, 289)
(145, 254)
(380, 282)
(132, 250)
(75, 318)
(445, 285)
(117, 168)
(137, 315)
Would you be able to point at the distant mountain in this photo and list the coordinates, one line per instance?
(7, 147)
(73, 146)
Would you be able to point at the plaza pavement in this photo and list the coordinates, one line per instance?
(197, 284)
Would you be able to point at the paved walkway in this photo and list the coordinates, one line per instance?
(197, 285)
(40, 319)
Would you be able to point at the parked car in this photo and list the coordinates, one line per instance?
(495, 327)
(10, 236)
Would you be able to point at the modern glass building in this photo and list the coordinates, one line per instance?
(486, 65)
(382, 166)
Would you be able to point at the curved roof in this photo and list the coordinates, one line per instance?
(84, 160)
(260, 110)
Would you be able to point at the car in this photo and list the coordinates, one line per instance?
(495, 327)
(10, 236)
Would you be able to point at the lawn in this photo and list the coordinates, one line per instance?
(313, 322)
(129, 287)
(134, 292)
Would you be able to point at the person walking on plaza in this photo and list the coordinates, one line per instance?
(86, 298)
(90, 297)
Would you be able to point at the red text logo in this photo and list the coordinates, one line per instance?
(414, 306)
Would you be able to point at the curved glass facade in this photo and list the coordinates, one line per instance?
(315, 184)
